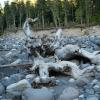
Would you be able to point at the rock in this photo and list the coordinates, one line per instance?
(71, 80)
(13, 52)
(97, 42)
(97, 75)
(16, 77)
(92, 98)
(17, 88)
(85, 65)
(12, 79)
(37, 94)
(30, 77)
(69, 93)
(6, 81)
(82, 81)
(6, 99)
(94, 82)
(2, 89)
(2, 61)
(16, 62)
(75, 61)
(0, 97)
(75, 99)
(89, 91)
(1, 46)
(98, 68)
(81, 97)
(97, 87)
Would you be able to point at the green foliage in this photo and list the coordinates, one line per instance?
(51, 13)
(78, 14)
(95, 18)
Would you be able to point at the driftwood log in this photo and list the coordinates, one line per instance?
(60, 66)
(52, 47)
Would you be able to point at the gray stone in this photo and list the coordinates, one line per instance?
(30, 77)
(12, 79)
(6, 81)
(97, 87)
(2, 61)
(94, 82)
(6, 99)
(2, 89)
(16, 77)
(97, 75)
(81, 97)
(37, 94)
(16, 89)
(85, 65)
(89, 91)
(92, 98)
(82, 81)
(75, 99)
(97, 42)
(71, 80)
(69, 93)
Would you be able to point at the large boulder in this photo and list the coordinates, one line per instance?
(37, 94)
(16, 89)
(69, 93)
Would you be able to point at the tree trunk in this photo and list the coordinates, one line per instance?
(87, 12)
(42, 20)
(66, 20)
(20, 20)
(14, 22)
(55, 20)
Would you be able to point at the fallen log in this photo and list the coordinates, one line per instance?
(17, 65)
(60, 66)
(93, 57)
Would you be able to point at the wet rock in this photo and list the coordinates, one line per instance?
(2, 89)
(69, 93)
(37, 94)
(17, 88)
